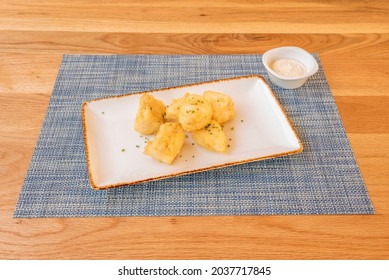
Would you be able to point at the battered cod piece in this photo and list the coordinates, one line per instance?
(167, 143)
(195, 113)
(211, 137)
(222, 106)
(150, 114)
(173, 109)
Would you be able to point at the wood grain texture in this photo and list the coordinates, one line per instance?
(197, 17)
(352, 39)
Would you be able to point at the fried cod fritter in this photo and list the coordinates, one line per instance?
(194, 113)
(167, 143)
(174, 108)
(211, 137)
(222, 106)
(150, 114)
(201, 115)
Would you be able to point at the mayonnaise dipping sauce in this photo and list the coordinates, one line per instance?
(288, 67)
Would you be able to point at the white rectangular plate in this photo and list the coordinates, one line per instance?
(114, 150)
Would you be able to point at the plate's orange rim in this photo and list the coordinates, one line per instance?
(87, 154)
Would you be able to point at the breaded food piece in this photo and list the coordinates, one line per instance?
(195, 113)
(167, 143)
(173, 109)
(222, 106)
(211, 137)
(150, 114)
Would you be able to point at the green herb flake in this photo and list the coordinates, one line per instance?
(123, 150)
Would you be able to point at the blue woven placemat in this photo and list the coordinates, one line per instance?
(324, 179)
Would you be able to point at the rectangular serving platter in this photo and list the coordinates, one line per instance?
(114, 150)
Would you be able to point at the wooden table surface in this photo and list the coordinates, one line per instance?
(352, 39)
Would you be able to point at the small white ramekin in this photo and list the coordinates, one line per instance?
(295, 53)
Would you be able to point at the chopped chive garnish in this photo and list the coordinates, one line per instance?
(123, 150)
